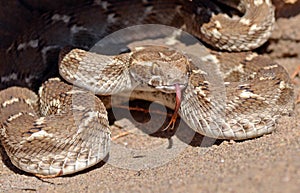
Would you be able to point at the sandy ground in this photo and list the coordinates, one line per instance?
(166, 162)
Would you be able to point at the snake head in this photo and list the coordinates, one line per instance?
(159, 68)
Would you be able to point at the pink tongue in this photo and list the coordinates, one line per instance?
(177, 106)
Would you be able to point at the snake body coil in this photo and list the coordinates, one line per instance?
(65, 129)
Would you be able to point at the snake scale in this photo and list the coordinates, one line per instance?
(65, 129)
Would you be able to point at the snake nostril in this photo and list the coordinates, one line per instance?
(155, 81)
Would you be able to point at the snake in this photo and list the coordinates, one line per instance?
(64, 128)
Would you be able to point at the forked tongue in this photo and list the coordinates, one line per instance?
(172, 122)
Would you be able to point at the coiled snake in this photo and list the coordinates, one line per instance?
(66, 128)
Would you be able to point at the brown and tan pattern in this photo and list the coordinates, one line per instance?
(62, 139)
(244, 103)
(84, 24)
(59, 132)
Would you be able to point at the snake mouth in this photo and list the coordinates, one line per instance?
(171, 88)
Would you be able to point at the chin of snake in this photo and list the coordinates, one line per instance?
(65, 129)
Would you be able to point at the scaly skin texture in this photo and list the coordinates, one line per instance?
(85, 24)
(60, 133)
(219, 100)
